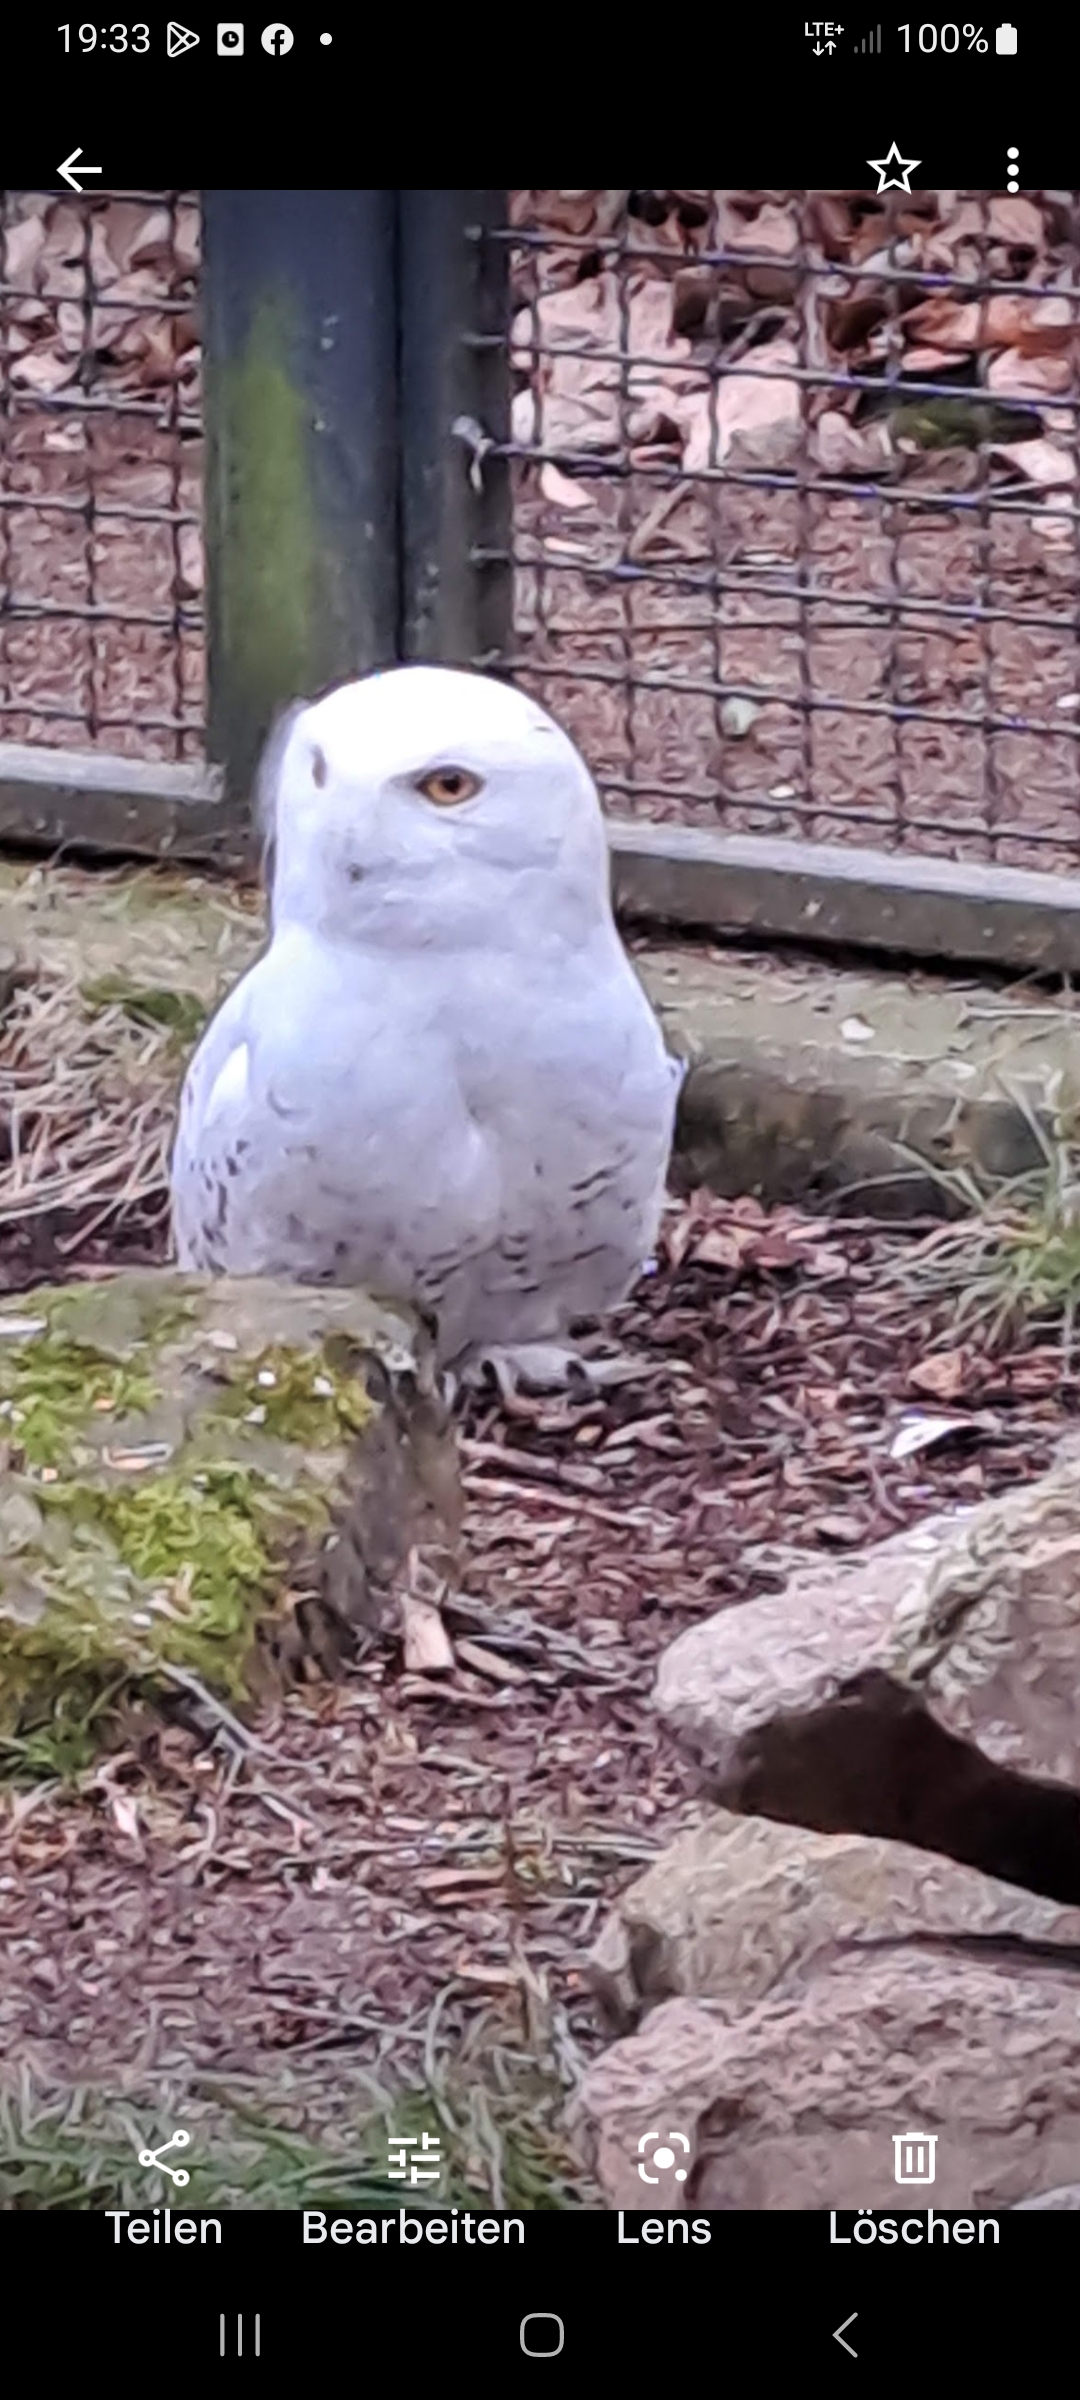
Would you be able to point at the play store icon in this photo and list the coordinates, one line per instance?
(179, 38)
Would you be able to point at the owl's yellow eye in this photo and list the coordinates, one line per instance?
(448, 786)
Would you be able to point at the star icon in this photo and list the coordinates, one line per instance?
(904, 168)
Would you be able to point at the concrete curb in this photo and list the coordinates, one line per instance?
(806, 1084)
(811, 1086)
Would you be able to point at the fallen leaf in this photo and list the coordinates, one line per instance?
(191, 562)
(598, 353)
(926, 362)
(575, 213)
(491, 1663)
(765, 225)
(562, 491)
(753, 415)
(498, 1978)
(678, 1236)
(427, 1644)
(846, 449)
(125, 1815)
(944, 1376)
(838, 1529)
(43, 371)
(775, 1250)
(1003, 321)
(24, 242)
(1042, 462)
(723, 1246)
(830, 1266)
(1015, 220)
(1016, 377)
(1040, 1373)
(446, 1879)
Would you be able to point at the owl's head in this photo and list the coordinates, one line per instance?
(430, 807)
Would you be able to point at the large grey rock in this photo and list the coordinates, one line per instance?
(203, 1486)
(925, 1691)
(731, 1907)
(796, 2103)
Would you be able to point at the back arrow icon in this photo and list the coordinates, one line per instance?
(65, 170)
(840, 2332)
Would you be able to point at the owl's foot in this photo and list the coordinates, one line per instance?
(550, 1367)
(528, 1366)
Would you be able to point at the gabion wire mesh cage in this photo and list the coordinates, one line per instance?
(795, 542)
(101, 634)
(796, 546)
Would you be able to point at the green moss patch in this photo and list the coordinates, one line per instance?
(49, 1387)
(297, 1398)
(168, 1469)
(182, 1014)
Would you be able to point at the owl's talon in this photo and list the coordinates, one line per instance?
(536, 1366)
(549, 1367)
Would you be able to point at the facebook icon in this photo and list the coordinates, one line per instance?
(277, 39)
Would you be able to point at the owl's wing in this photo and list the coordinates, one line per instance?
(312, 1144)
(247, 1194)
(215, 1109)
(583, 1156)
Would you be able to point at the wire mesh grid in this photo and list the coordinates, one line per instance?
(101, 637)
(796, 538)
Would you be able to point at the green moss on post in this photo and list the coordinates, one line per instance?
(301, 413)
(268, 558)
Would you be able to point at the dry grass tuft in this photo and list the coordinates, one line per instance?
(1011, 1263)
(88, 1083)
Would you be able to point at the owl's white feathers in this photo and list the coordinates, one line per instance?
(442, 1079)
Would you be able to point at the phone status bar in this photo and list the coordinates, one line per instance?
(827, 38)
(140, 40)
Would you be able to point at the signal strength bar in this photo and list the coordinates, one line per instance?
(872, 40)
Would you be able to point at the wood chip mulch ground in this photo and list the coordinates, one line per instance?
(407, 1870)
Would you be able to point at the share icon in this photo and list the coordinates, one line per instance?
(153, 2158)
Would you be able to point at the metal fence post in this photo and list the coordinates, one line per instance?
(455, 373)
(301, 428)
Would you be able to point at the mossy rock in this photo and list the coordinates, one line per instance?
(205, 1486)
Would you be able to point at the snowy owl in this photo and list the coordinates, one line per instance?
(442, 1079)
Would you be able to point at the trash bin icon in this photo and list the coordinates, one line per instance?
(1005, 41)
(914, 2157)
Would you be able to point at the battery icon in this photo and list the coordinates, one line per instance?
(1005, 41)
